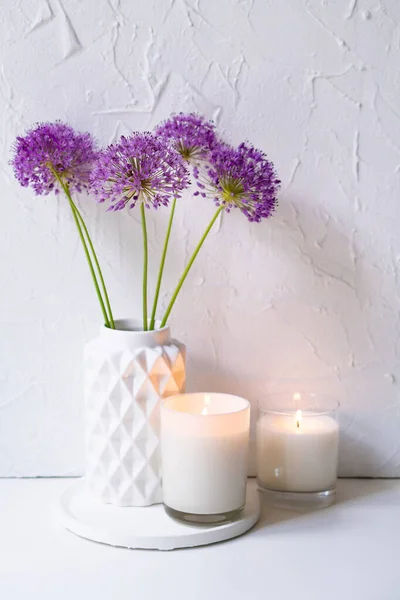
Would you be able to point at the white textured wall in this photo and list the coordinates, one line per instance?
(309, 299)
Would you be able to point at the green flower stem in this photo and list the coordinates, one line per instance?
(77, 223)
(189, 265)
(103, 285)
(162, 264)
(145, 265)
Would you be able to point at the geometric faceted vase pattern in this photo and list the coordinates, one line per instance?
(128, 373)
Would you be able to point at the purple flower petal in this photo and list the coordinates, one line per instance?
(242, 177)
(140, 168)
(53, 146)
(190, 134)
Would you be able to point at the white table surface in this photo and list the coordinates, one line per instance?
(348, 551)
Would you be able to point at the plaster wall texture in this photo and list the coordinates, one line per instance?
(306, 300)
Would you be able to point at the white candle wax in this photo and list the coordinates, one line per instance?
(297, 454)
(204, 448)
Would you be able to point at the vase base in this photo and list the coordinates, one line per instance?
(298, 500)
(134, 497)
(217, 519)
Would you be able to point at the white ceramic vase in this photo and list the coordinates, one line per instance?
(128, 372)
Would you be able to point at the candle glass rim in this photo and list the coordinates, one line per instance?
(165, 407)
(323, 404)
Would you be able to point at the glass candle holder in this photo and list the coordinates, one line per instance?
(204, 451)
(297, 449)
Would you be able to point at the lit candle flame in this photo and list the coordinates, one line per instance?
(298, 417)
(207, 401)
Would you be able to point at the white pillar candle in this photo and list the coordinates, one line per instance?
(297, 452)
(204, 450)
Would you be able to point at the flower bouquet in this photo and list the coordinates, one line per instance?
(134, 364)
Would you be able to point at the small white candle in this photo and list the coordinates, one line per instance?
(297, 452)
(204, 449)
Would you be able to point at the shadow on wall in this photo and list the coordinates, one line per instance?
(317, 315)
(288, 303)
(358, 457)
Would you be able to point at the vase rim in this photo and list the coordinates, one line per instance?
(130, 326)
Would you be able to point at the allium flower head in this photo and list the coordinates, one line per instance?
(139, 168)
(240, 177)
(191, 135)
(50, 147)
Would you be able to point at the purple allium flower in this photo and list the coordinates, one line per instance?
(191, 135)
(240, 177)
(53, 146)
(140, 168)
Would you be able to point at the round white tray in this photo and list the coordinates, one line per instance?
(150, 527)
